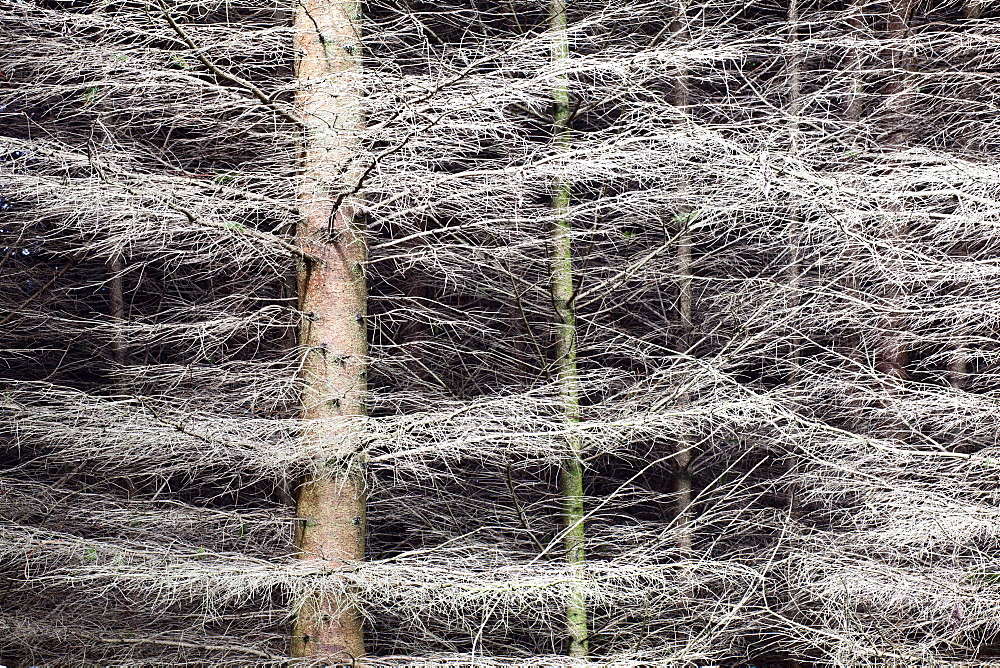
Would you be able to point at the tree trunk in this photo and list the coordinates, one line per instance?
(958, 371)
(414, 333)
(855, 64)
(893, 356)
(794, 269)
(332, 297)
(683, 488)
(116, 306)
(958, 367)
(564, 368)
(900, 60)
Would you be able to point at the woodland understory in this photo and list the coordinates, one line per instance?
(731, 268)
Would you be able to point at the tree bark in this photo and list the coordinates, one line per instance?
(958, 370)
(332, 297)
(564, 367)
(958, 367)
(794, 269)
(893, 355)
(855, 64)
(897, 27)
(116, 306)
(684, 450)
(683, 485)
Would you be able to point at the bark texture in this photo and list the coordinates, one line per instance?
(116, 306)
(565, 369)
(332, 297)
(684, 454)
(795, 219)
(893, 354)
(683, 486)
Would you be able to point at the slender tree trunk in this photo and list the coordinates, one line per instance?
(414, 333)
(853, 108)
(332, 297)
(893, 356)
(116, 306)
(900, 60)
(119, 353)
(794, 269)
(855, 63)
(683, 488)
(958, 370)
(794, 70)
(565, 370)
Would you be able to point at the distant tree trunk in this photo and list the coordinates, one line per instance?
(116, 309)
(565, 369)
(332, 297)
(116, 306)
(958, 368)
(794, 269)
(958, 371)
(972, 9)
(897, 27)
(794, 73)
(855, 20)
(683, 488)
(414, 331)
(893, 356)
(853, 108)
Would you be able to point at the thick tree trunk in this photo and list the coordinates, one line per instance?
(332, 298)
(564, 368)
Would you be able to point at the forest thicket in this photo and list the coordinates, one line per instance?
(499, 332)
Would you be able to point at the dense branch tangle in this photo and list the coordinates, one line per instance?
(732, 293)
